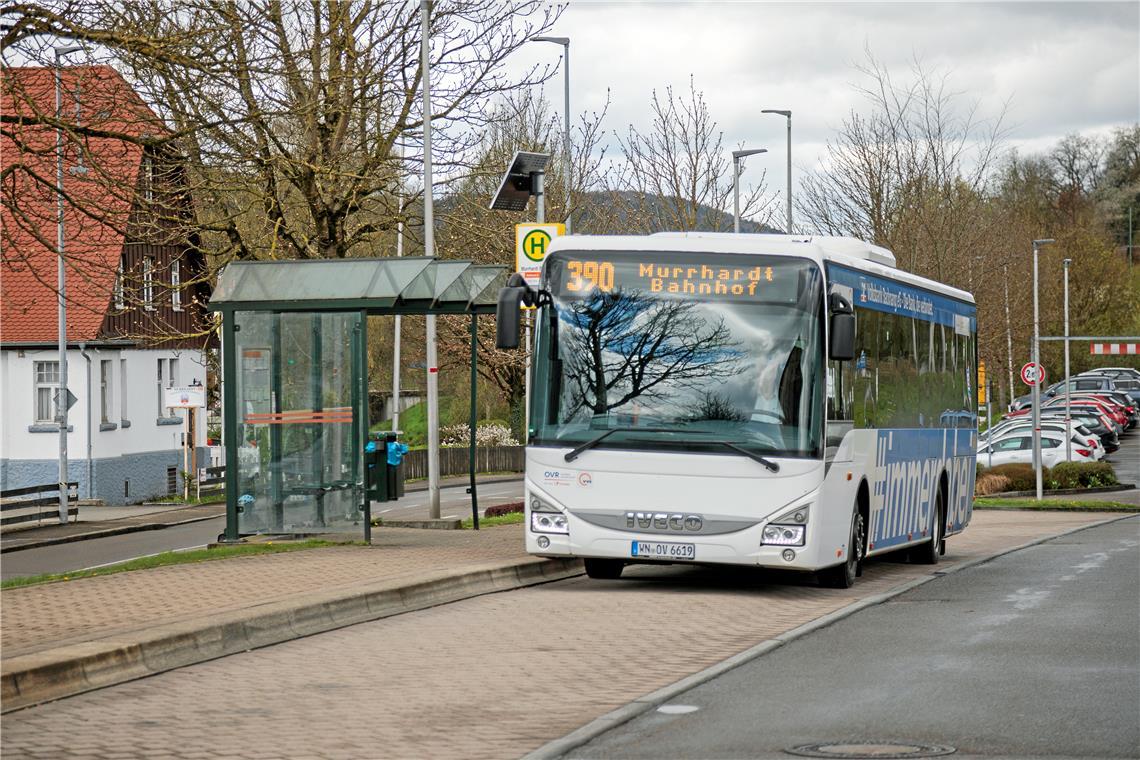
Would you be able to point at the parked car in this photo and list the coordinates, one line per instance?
(1018, 449)
(1093, 423)
(1076, 384)
(1079, 435)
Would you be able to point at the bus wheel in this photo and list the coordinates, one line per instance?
(607, 569)
(843, 576)
(928, 553)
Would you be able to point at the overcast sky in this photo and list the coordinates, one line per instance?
(1062, 67)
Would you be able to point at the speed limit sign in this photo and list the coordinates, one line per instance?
(1032, 373)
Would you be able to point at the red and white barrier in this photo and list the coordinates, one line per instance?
(1114, 349)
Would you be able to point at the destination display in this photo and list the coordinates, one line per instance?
(764, 279)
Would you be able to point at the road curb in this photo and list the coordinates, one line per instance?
(105, 533)
(31, 679)
(583, 735)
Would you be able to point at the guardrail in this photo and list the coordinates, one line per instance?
(36, 498)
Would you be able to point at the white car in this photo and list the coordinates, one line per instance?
(1081, 439)
(1018, 448)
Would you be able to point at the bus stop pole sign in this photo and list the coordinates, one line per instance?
(532, 242)
(1032, 373)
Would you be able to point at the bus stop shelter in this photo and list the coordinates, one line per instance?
(295, 379)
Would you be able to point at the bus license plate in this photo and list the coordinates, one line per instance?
(662, 550)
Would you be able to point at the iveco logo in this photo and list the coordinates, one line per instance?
(663, 521)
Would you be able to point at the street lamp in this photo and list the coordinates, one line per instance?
(1068, 392)
(1037, 363)
(788, 114)
(736, 156)
(429, 251)
(62, 398)
(565, 43)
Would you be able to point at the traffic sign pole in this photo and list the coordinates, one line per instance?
(1036, 385)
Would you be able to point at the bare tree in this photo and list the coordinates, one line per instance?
(673, 174)
(288, 115)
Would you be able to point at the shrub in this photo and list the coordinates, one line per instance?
(1021, 476)
(485, 435)
(503, 509)
(989, 483)
(1084, 475)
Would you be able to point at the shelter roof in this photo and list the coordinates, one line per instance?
(408, 285)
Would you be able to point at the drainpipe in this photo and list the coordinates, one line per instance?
(90, 484)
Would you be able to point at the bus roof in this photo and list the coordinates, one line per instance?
(849, 252)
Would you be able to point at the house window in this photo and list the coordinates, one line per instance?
(106, 401)
(175, 285)
(148, 178)
(123, 390)
(47, 383)
(148, 283)
(120, 301)
(168, 371)
(161, 392)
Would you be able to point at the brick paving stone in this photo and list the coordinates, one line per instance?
(490, 677)
(50, 615)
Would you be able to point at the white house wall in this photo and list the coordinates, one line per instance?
(129, 454)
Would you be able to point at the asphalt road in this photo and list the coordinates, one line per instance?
(454, 501)
(1034, 654)
(1126, 460)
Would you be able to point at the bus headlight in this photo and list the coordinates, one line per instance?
(548, 522)
(784, 535)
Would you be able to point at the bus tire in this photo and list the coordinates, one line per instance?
(928, 553)
(844, 575)
(604, 569)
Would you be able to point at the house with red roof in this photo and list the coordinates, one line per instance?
(135, 286)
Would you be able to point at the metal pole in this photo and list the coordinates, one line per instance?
(473, 422)
(569, 156)
(989, 435)
(61, 287)
(1008, 331)
(399, 320)
(1068, 394)
(1040, 373)
(1037, 384)
(429, 251)
(1130, 236)
(789, 172)
(736, 194)
(539, 184)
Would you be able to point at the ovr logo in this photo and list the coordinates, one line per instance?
(535, 243)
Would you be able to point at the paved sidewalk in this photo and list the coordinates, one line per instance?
(494, 676)
(99, 522)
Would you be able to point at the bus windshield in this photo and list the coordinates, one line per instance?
(681, 351)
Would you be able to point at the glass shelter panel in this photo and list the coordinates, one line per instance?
(298, 422)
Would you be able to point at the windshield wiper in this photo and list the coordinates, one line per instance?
(773, 466)
(573, 453)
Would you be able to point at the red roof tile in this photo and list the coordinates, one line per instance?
(99, 199)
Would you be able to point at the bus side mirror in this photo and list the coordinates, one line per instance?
(507, 313)
(842, 346)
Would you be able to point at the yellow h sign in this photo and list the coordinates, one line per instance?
(532, 243)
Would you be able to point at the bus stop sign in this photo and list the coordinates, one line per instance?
(1032, 374)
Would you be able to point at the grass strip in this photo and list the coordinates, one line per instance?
(171, 558)
(1057, 505)
(514, 518)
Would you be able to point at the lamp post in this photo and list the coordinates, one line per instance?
(1008, 331)
(565, 43)
(429, 251)
(1037, 362)
(61, 283)
(1068, 393)
(736, 156)
(788, 114)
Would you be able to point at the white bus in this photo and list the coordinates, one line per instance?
(767, 400)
